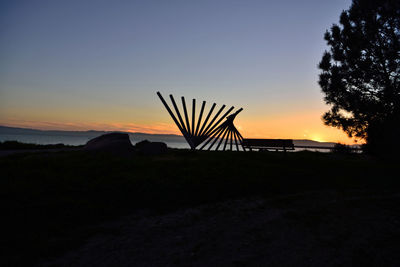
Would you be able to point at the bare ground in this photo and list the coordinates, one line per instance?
(308, 229)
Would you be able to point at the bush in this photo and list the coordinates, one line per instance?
(342, 149)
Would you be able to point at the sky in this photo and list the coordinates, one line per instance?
(81, 65)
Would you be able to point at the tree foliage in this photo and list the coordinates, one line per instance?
(361, 72)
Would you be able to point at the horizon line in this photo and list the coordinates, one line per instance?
(132, 132)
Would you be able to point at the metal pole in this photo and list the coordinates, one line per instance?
(234, 136)
(184, 133)
(231, 140)
(222, 138)
(208, 116)
(227, 138)
(178, 113)
(199, 121)
(193, 114)
(216, 124)
(186, 115)
(212, 121)
(216, 139)
(210, 138)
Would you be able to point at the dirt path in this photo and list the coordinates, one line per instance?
(312, 229)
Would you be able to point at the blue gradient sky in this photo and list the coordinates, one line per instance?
(97, 64)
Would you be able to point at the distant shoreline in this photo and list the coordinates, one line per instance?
(81, 137)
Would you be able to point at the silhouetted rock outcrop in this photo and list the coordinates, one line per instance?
(116, 143)
(151, 148)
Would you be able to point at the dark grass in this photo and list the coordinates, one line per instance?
(15, 145)
(51, 200)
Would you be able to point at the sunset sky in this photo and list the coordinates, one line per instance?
(81, 65)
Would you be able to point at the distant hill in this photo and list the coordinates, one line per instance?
(305, 142)
(4, 130)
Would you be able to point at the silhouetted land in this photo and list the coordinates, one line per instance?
(14, 133)
(343, 207)
(15, 145)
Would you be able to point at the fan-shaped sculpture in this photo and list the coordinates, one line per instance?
(206, 132)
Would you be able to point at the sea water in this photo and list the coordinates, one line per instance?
(70, 140)
(82, 139)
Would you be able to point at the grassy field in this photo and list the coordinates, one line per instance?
(49, 200)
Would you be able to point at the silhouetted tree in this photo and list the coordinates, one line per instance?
(361, 73)
(342, 149)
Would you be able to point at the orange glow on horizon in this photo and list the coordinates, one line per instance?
(307, 125)
(303, 126)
